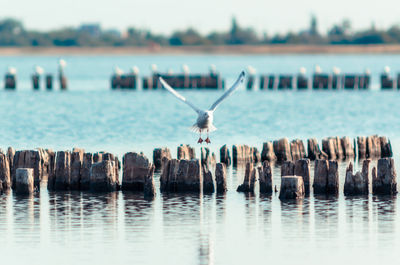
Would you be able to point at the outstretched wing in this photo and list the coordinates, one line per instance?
(229, 91)
(176, 94)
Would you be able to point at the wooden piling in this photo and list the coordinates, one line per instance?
(373, 147)
(102, 176)
(321, 169)
(49, 81)
(302, 169)
(24, 181)
(5, 177)
(36, 81)
(186, 152)
(287, 168)
(10, 81)
(265, 178)
(357, 184)
(149, 191)
(225, 156)
(297, 149)
(267, 153)
(249, 179)
(220, 177)
(282, 150)
(135, 168)
(384, 181)
(292, 187)
(159, 154)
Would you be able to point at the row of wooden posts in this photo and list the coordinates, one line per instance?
(99, 173)
(302, 82)
(10, 81)
(178, 81)
(296, 180)
(77, 170)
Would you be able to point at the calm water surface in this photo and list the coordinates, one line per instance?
(122, 228)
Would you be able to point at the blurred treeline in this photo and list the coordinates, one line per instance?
(14, 33)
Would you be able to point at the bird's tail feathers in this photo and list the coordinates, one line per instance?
(196, 129)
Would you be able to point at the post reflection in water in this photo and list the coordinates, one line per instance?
(187, 228)
(384, 213)
(26, 217)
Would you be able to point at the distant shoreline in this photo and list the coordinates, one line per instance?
(201, 50)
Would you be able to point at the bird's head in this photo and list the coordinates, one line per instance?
(208, 115)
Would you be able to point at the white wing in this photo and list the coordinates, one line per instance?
(176, 94)
(229, 91)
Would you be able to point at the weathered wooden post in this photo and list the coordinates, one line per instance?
(242, 154)
(5, 174)
(267, 153)
(302, 169)
(63, 171)
(357, 184)
(85, 171)
(265, 177)
(287, 168)
(332, 186)
(186, 152)
(249, 179)
(76, 168)
(61, 76)
(133, 77)
(384, 181)
(386, 147)
(103, 177)
(313, 150)
(302, 79)
(373, 146)
(350, 81)
(285, 82)
(297, 149)
(207, 159)
(320, 80)
(282, 150)
(149, 191)
(49, 81)
(326, 177)
(24, 181)
(135, 168)
(292, 187)
(220, 177)
(386, 80)
(362, 147)
(11, 79)
(336, 78)
(250, 77)
(225, 155)
(116, 78)
(27, 159)
(183, 176)
(208, 181)
(348, 148)
(36, 77)
(159, 154)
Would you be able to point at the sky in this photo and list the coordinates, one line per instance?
(278, 16)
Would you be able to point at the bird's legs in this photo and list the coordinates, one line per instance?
(207, 139)
(200, 140)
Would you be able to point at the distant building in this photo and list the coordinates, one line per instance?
(93, 30)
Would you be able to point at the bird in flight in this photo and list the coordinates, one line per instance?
(205, 118)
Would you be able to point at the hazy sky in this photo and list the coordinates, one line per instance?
(205, 15)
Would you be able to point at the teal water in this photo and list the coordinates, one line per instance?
(120, 228)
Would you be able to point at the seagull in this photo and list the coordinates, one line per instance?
(205, 117)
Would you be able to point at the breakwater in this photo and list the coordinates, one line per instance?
(132, 80)
(25, 170)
